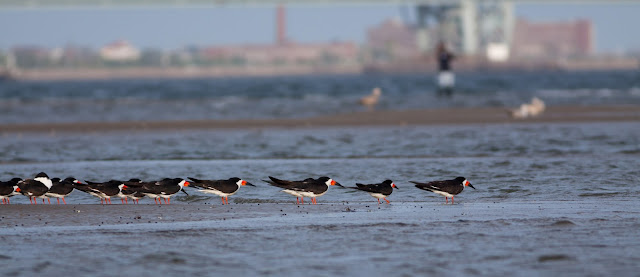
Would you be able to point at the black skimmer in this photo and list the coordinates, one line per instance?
(164, 188)
(60, 189)
(36, 187)
(446, 188)
(222, 188)
(9, 189)
(104, 191)
(133, 190)
(379, 191)
(306, 188)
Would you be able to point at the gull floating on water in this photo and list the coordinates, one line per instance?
(535, 108)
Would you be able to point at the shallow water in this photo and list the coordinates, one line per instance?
(300, 96)
(551, 199)
(569, 238)
(533, 161)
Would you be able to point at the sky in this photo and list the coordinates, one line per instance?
(172, 28)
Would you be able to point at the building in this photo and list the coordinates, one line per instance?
(119, 51)
(392, 40)
(553, 39)
(289, 53)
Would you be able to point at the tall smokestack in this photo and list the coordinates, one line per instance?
(281, 23)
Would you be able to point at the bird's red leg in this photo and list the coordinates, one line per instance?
(65, 202)
(169, 200)
(446, 199)
(385, 199)
(302, 200)
(58, 201)
(378, 201)
(451, 200)
(298, 200)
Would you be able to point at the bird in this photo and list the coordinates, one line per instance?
(371, 100)
(446, 188)
(9, 189)
(164, 188)
(36, 187)
(133, 190)
(222, 188)
(379, 191)
(104, 191)
(60, 189)
(535, 108)
(306, 188)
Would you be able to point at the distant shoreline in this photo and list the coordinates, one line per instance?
(409, 66)
(449, 116)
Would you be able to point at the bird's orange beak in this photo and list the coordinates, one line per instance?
(333, 182)
(244, 182)
(17, 189)
(186, 183)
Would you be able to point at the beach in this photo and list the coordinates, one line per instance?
(449, 116)
(404, 238)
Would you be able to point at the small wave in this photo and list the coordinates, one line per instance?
(599, 194)
(553, 258)
(630, 152)
(563, 223)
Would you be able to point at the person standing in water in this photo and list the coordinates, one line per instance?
(446, 79)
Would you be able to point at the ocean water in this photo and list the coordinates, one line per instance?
(300, 96)
(550, 198)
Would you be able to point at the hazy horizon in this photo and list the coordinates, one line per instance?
(172, 28)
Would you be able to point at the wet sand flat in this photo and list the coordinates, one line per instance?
(575, 238)
(448, 116)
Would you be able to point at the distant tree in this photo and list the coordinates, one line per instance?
(152, 58)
